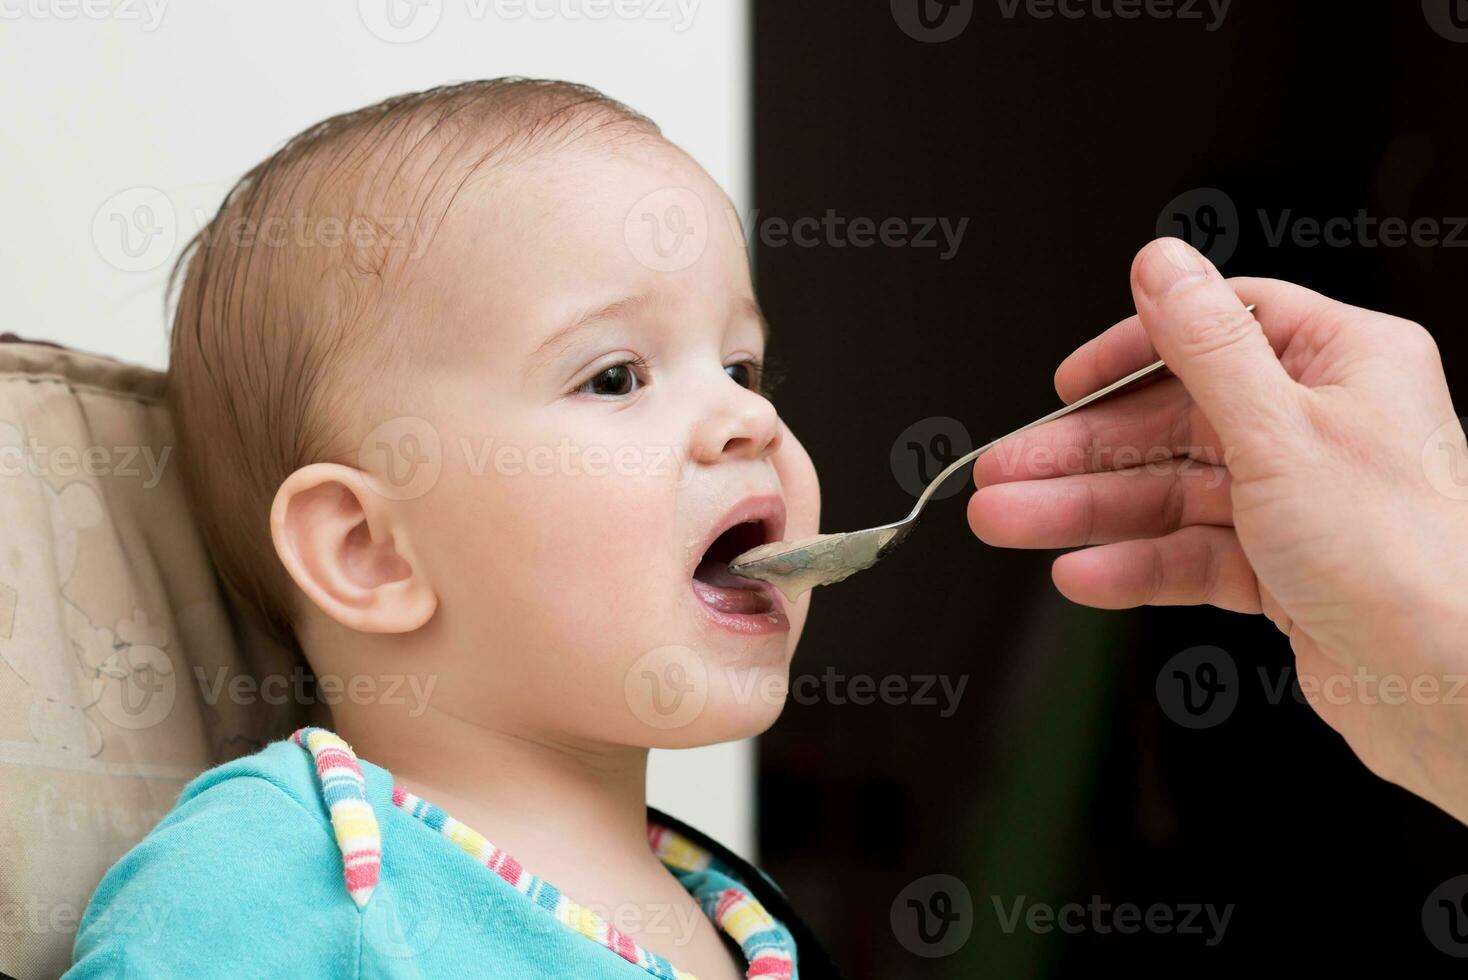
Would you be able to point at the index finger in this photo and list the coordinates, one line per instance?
(1283, 310)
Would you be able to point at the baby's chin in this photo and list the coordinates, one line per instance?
(682, 697)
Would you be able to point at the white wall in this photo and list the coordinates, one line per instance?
(140, 114)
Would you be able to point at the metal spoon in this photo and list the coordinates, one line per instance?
(794, 567)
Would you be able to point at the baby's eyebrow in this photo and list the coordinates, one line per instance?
(612, 310)
(751, 307)
(623, 307)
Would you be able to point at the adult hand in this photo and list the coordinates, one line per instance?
(1306, 464)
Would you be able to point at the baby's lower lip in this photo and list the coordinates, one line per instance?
(738, 604)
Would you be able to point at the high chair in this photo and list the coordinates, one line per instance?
(125, 670)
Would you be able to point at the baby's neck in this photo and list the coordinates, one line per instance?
(574, 816)
(549, 805)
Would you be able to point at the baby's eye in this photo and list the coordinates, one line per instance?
(745, 374)
(619, 379)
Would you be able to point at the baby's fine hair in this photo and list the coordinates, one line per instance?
(290, 287)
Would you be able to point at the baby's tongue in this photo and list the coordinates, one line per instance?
(727, 592)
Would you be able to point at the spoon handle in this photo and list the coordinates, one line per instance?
(1115, 386)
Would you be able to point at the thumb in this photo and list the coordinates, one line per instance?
(1212, 343)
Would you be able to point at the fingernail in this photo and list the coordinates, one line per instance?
(1170, 263)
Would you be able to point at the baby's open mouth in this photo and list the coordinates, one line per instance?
(720, 588)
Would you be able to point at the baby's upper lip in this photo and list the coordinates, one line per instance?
(768, 509)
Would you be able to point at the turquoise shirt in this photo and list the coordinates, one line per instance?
(244, 878)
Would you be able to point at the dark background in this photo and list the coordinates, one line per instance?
(1060, 777)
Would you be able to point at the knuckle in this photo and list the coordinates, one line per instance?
(1418, 339)
(1206, 333)
(1174, 503)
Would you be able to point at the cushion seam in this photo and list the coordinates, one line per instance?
(53, 378)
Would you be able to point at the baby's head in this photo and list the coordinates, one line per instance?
(468, 387)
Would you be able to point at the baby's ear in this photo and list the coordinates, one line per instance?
(347, 549)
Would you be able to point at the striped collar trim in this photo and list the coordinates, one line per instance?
(766, 946)
(352, 820)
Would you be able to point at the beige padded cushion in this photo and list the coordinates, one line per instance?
(123, 671)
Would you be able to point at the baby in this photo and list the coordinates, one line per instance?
(469, 390)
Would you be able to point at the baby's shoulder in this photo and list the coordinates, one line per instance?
(282, 774)
(247, 852)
